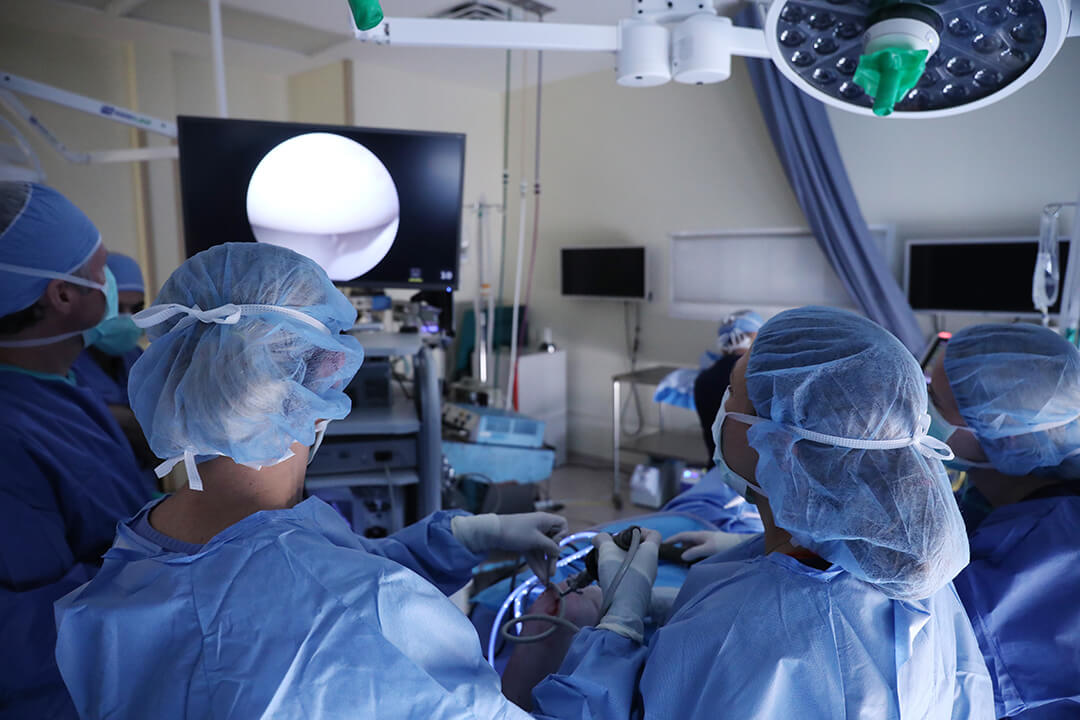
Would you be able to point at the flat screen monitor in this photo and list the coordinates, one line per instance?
(375, 208)
(613, 273)
(983, 276)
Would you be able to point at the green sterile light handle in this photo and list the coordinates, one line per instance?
(366, 13)
(887, 75)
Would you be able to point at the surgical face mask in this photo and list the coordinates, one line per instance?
(940, 428)
(944, 430)
(117, 336)
(731, 478)
(108, 288)
(320, 432)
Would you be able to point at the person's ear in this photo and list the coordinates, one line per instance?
(62, 297)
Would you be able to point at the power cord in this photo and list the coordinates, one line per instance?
(632, 347)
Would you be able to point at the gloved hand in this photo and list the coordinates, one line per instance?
(629, 600)
(534, 535)
(705, 543)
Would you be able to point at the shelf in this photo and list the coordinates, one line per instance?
(398, 419)
(387, 344)
(648, 376)
(378, 478)
(677, 445)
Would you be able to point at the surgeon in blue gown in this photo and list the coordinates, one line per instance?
(1007, 399)
(235, 597)
(68, 473)
(104, 367)
(844, 606)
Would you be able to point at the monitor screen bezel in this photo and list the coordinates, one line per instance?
(360, 282)
(1025, 239)
(646, 295)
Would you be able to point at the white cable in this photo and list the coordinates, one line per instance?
(522, 211)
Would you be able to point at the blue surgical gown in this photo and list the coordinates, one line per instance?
(286, 614)
(68, 476)
(1021, 591)
(110, 388)
(770, 637)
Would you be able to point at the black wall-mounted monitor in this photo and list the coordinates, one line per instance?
(376, 208)
(609, 273)
(979, 276)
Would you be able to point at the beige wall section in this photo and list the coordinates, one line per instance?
(626, 166)
(251, 94)
(322, 95)
(167, 84)
(385, 97)
(93, 68)
(987, 172)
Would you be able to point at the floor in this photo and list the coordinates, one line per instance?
(585, 491)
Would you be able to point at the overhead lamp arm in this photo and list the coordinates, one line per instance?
(13, 85)
(504, 35)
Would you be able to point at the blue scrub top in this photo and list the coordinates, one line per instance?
(1021, 591)
(769, 637)
(111, 388)
(68, 477)
(285, 614)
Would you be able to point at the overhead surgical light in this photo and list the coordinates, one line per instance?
(976, 53)
(644, 52)
(906, 58)
(701, 50)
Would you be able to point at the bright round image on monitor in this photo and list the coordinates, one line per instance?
(327, 197)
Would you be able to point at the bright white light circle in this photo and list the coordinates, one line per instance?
(327, 197)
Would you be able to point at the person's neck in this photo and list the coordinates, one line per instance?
(1000, 489)
(231, 492)
(54, 359)
(779, 540)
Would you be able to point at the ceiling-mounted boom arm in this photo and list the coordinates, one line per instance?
(505, 35)
(13, 85)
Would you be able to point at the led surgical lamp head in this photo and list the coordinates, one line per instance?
(912, 58)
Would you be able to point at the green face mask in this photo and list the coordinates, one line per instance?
(117, 336)
(943, 430)
(92, 336)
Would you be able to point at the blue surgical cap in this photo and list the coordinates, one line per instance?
(1018, 388)
(734, 330)
(246, 390)
(127, 272)
(47, 233)
(886, 516)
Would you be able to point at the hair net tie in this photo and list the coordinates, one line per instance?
(927, 446)
(66, 277)
(228, 314)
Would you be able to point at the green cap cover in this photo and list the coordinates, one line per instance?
(366, 13)
(888, 74)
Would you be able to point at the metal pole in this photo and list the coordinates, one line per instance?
(218, 49)
(616, 420)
